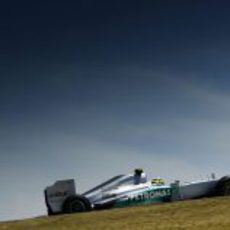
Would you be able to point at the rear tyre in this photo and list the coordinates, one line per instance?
(223, 187)
(75, 204)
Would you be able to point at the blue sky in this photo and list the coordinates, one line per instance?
(92, 89)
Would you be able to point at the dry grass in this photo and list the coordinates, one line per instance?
(212, 214)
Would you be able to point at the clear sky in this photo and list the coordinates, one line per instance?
(91, 89)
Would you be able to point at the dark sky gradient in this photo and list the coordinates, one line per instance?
(106, 86)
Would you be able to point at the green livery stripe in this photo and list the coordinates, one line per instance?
(146, 197)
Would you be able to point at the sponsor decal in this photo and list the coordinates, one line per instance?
(150, 195)
(58, 194)
(146, 197)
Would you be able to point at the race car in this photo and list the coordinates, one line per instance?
(127, 190)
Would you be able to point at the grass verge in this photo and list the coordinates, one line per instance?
(208, 213)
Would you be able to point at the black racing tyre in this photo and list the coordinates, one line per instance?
(223, 187)
(75, 204)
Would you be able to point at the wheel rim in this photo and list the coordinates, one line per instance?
(77, 206)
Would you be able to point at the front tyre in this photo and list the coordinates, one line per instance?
(75, 204)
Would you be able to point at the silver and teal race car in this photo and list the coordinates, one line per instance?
(128, 190)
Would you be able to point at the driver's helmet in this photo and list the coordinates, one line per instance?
(139, 176)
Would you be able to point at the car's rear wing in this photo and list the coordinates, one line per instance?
(57, 193)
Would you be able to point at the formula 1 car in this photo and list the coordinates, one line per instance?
(127, 190)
